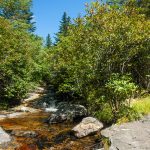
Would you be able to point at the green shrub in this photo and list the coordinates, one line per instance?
(105, 115)
(119, 91)
(142, 106)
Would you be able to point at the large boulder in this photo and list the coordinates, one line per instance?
(87, 126)
(67, 112)
(4, 138)
(133, 135)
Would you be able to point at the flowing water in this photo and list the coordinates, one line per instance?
(48, 137)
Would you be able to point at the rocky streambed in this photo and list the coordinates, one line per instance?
(31, 127)
(39, 124)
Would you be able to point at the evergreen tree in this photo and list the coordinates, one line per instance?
(48, 41)
(63, 28)
(64, 24)
(18, 12)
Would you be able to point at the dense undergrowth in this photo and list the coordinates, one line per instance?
(100, 60)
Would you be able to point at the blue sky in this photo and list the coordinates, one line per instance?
(48, 13)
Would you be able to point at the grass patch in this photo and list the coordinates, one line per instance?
(142, 105)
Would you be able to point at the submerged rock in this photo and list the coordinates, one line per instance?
(4, 138)
(133, 135)
(87, 126)
(64, 135)
(67, 112)
(28, 134)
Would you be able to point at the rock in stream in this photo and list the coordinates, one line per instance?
(87, 126)
(5, 138)
(67, 112)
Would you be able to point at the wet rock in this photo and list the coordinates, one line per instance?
(31, 134)
(4, 138)
(34, 95)
(133, 135)
(87, 126)
(67, 112)
(25, 109)
(10, 114)
(15, 114)
(57, 118)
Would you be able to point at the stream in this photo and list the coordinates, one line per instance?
(30, 131)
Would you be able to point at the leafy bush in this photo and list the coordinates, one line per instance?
(119, 91)
(105, 114)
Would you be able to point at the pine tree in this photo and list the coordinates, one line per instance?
(64, 24)
(63, 28)
(48, 41)
(18, 11)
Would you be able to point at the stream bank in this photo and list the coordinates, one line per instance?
(25, 128)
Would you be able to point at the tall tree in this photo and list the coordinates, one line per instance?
(63, 28)
(48, 41)
(64, 24)
(18, 11)
(143, 6)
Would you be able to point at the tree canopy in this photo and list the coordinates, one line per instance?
(18, 11)
(106, 41)
(100, 60)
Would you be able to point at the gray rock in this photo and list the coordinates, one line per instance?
(87, 126)
(129, 136)
(67, 112)
(4, 137)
